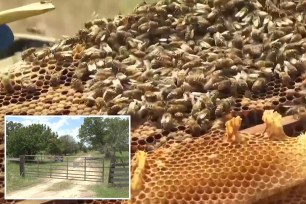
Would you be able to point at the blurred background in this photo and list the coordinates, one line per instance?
(69, 15)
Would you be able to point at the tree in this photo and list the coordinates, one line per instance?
(105, 134)
(82, 147)
(68, 145)
(29, 140)
(54, 146)
(11, 127)
(118, 134)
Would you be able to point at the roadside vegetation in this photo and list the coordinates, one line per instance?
(14, 181)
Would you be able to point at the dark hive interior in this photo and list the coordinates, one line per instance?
(181, 69)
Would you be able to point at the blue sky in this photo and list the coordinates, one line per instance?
(62, 125)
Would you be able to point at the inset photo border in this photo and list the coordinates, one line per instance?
(67, 157)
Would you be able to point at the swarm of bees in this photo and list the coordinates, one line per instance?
(184, 61)
(181, 63)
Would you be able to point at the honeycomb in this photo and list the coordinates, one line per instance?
(191, 74)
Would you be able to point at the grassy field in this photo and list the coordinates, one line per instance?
(14, 181)
(104, 191)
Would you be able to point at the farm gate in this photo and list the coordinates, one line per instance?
(63, 167)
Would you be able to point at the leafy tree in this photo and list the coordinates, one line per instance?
(68, 145)
(105, 134)
(29, 140)
(11, 127)
(82, 147)
(54, 146)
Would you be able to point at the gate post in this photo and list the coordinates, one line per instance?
(103, 171)
(21, 165)
(85, 170)
(67, 167)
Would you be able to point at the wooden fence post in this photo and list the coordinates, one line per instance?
(50, 168)
(85, 170)
(21, 165)
(67, 167)
(103, 171)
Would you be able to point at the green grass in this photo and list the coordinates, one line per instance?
(104, 191)
(60, 186)
(14, 181)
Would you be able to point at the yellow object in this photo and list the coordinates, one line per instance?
(141, 157)
(231, 127)
(274, 127)
(26, 11)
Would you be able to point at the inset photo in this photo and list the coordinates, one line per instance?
(67, 157)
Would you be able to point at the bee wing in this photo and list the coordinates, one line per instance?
(256, 21)
(242, 12)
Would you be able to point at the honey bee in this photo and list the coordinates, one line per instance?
(273, 8)
(148, 26)
(289, 68)
(55, 79)
(237, 41)
(287, 5)
(253, 50)
(298, 112)
(7, 83)
(133, 108)
(116, 66)
(154, 111)
(218, 124)
(100, 103)
(150, 96)
(43, 53)
(77, 85)
(179, 116)
(174, 108)
(259, 85)
(290, 53)
(285, 78)
(176, 93)
(219, 39)
(193, 126)
(301, 6)
(114, 109)
(223, 85)
(203, 116)
(133, 93)
(167, 121)
(224, 63)
(148, 86)
(27, 53)
(117, 85)
(223, 106)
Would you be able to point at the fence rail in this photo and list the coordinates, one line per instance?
(65, 167)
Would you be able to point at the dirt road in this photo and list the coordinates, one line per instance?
(49, 189)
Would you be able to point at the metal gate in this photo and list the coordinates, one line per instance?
(63, 167)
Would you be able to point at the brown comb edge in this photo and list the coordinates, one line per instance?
(286, 121)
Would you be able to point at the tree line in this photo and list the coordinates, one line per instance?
(107, 135)
(38, 139)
